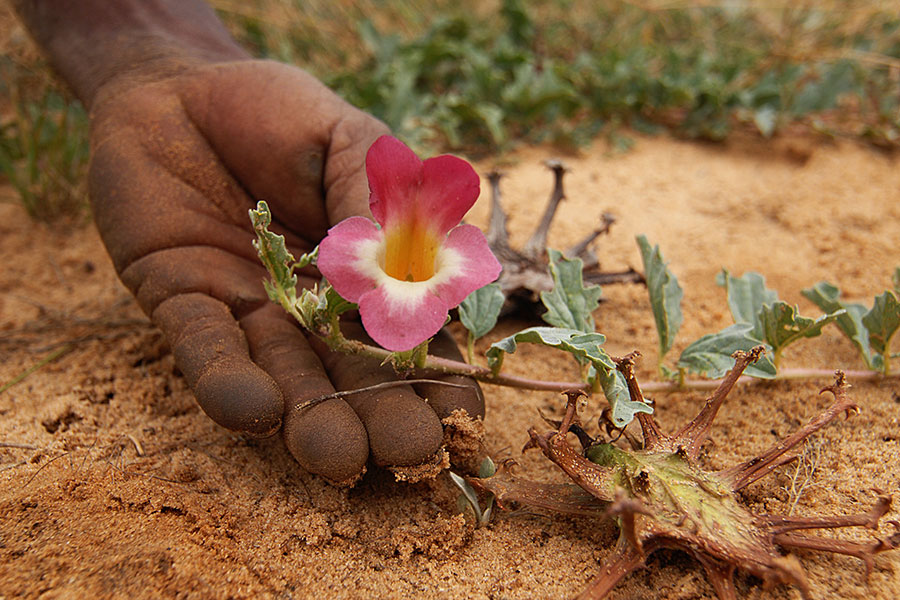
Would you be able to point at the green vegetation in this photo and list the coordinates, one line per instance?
(479, 78)
(43, 143)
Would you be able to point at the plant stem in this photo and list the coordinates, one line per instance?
(887, 358)
(436, 365)
(783, 375)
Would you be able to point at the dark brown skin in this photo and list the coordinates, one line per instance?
(187, 133)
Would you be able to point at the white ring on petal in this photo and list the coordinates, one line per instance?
(370, 262)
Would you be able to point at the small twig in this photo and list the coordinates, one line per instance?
(87, 454)
(19, 446)
(81, 339)
(42, 363)
(137, 445)
(783, 375)
(41, 468)
(14, 465)
(371, 388)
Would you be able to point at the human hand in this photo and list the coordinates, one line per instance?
(177, 163)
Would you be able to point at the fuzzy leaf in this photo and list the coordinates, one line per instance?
(783, 325)
(746, 296)
(882, 322)
(271, 248)
(569, 304)
(479, 311)
(665, 295)
(585, 347)
(468, 497)
(766, 119)
(622, 408)
(827, 297)
(487, 468)
(332, 303)
(711, 355)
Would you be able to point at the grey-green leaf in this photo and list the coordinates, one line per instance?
(882, 322)
(272, 250)
(828, 298)
(711, 354)
(665, 295)
(765, 119)
(332, 303)
(585, 347)
(479, 311)
(746, 296)
(622, 408)
(569, 304)
(783, 325)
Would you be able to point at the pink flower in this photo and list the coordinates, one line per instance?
(407, 274)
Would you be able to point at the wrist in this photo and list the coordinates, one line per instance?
(98, 43)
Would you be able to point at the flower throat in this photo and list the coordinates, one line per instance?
(410, 252)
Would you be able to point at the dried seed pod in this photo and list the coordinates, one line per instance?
(525, 274)
(661, 497)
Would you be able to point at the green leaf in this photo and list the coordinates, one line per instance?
(783, 325)
(479, 311)
(622, 407)
(765, 119)
(487, 468)
(332, 303)
(569, 304)
(272, 250)
(827, 297)
(711, 354)
(469, 497)
(746, 296)
(882, 322)
(585, 347)
(665, 295)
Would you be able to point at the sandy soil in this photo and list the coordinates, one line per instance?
(114, 484)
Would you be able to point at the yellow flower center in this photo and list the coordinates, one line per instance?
(409, 252)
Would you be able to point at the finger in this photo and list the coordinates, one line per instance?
(327, 438)
(445, 399)
(197, 268)
(211, 351)
(402, 428)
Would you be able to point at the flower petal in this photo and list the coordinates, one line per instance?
(466, 263)
(394, 173)
(348, 257)
(400, 315)
(449, 188)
